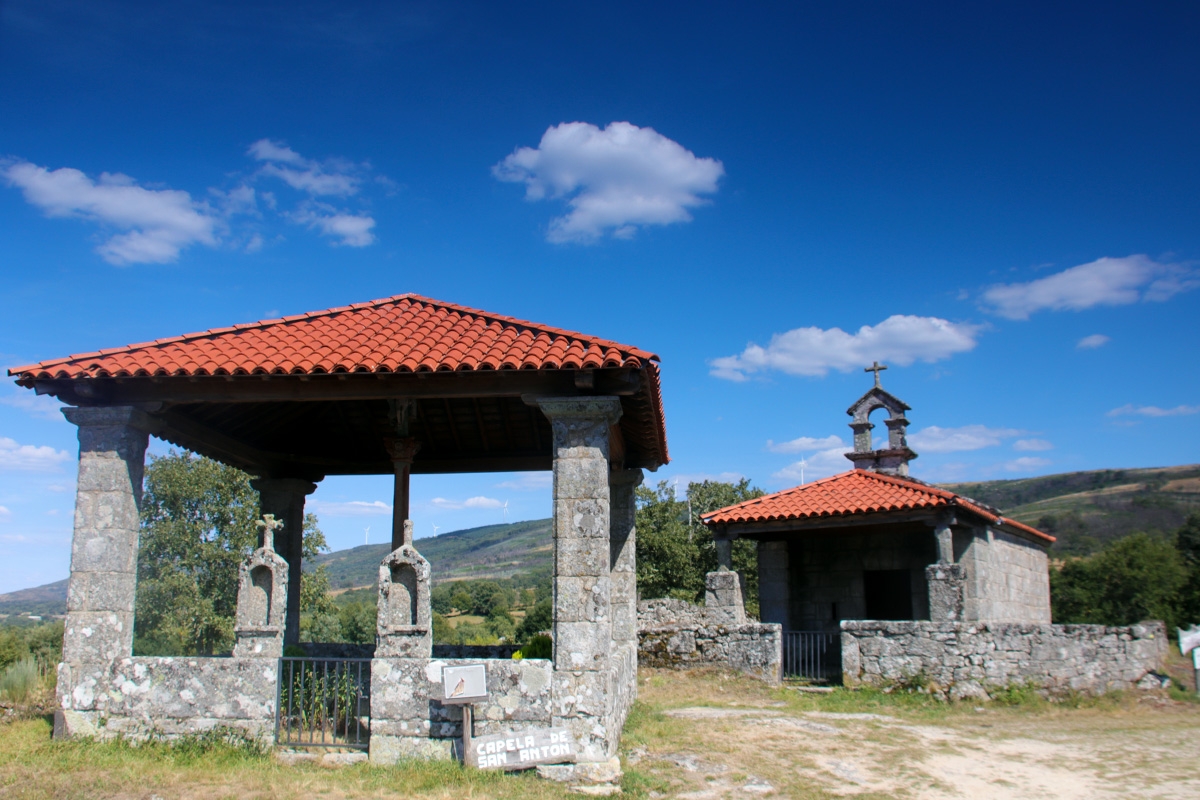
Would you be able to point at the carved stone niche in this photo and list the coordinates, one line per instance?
(262, 603)
(404, 625)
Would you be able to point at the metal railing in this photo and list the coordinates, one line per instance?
(812, 655)
(324, 702)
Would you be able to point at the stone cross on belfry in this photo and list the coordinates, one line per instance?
(876, 368)
(266, 529)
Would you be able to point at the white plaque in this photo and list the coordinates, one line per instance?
(1189, 639)
(523, 749)
(464, 684)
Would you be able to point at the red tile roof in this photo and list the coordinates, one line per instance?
(405, 333)
(856, 492)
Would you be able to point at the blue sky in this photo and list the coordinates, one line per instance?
(999, 201)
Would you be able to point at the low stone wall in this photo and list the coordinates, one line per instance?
(966, 659)
(140, 697)
(674, 634)
(408, 719)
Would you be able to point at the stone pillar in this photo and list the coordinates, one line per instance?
(623, 558)
(585, 698)
(773, 588)
(724, 547)
(104, 548)
(945, 541)
(623, 554)
(402, 451)
(946, 583)
(723, 597)
(284, 498)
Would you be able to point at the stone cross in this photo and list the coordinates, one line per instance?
(266, 529)
(877, 368)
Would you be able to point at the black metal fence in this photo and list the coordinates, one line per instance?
(812, 655)
(324, 702)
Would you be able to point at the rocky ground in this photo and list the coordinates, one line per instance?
(792, 744)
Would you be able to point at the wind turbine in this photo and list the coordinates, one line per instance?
(434, 528)
(505, 512)
(803, 464)
(367, 535)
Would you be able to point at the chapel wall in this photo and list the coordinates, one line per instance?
(826, 582)
(1011, 581)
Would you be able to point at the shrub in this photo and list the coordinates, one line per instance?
(19, 679)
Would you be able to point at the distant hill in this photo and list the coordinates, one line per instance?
(1086, 510)
(48, 600)
(493, 551)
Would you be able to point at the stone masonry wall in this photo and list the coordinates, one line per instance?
(675, 634)
(1009, 579)
(966, 659)
(140, 697)
(408, 719)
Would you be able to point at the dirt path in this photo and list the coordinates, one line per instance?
(1146, 749)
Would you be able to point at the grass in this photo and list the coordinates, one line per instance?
(32, 765)
(663, 755)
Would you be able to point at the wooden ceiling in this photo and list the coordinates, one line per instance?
(312, 426)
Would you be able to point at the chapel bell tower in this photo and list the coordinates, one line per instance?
(892, 459)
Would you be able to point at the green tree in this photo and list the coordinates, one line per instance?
(537, 619)
(1187, 542)
(675, 550)
(1133, 579)
(197, 525)
(358, 622)
(461, 600)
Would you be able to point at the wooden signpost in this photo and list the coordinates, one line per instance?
(509, 751)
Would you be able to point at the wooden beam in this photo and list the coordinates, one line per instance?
(814, 524)
(313, 388)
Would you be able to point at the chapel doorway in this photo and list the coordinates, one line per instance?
(888, 594)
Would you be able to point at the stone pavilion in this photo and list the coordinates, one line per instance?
(400, 386)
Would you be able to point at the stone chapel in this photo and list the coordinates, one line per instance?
(874, 543)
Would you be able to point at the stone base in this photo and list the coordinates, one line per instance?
(593, 773)
(387, 750)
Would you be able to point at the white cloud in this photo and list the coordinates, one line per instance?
(956, 440)
(821, 464)
(529, 482)
(336, 178)
(1093, 341)
(614, 179)
(1103, 282)
(352, 508)
(1032, 445)
(42, 406)
(1026, 463)
(159, 223)
(899, 339)
(1153, 411)
(470, 502)
(353, 230)
(804, 444)
(5, 514)
(28, 457)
